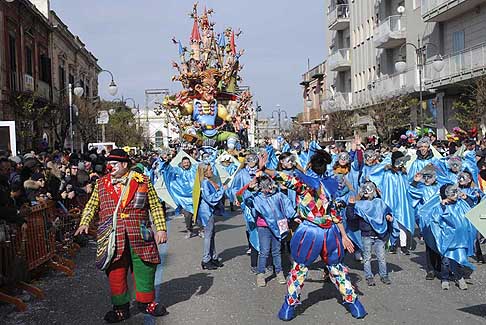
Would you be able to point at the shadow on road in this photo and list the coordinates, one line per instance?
(233, 252)
(223, 227)
(182, 289)
(478, 310)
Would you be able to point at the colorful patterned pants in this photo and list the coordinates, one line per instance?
(143, 274)
(309, 242)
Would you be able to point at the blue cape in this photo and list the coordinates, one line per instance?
(374, 213)
(394, 191)
(448, 231)
(180, 184)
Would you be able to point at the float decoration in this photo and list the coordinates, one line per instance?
(209, 74)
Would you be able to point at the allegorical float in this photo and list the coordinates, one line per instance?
(210, 105)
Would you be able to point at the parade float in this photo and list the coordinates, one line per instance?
(211, 106)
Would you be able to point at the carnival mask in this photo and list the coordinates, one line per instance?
(296, 145)
(344, 157)
(400, 162)
(370, 157)
(252, 159)
(266, 185)
(429, 178)
(455, 164)
(464, 179)
(288, 162)
(368, 190)
(452, 192)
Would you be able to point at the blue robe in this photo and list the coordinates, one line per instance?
(448, 231)
(271, 208)
(241, 179)
(209, 202)
(374, 213)
(272, 161)
(374, 173)
(419, 163)
(230, 169)
(180, 183)
(420, 195)
(395, 193)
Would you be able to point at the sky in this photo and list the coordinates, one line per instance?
(132, 39)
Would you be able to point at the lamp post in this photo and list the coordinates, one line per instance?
(279, 113)
(112, 87)
(421, 53)
(258, 109)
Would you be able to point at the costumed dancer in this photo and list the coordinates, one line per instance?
(425, 156)
(180, 183)
(473, 192)
(211, 195)
(271, 210)
(373, 168)
(243, 177)
(231, 168)
(424, 188)
(395, 193)
(377, 225)
(450, 233)
(124, 200)
(347, 178)
(321, 232)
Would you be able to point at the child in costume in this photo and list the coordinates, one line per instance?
(467, 186)
(423, 189)
(320, 232)
(211, 195)
(394, 192)
(271, 210)
(375, 223)
(450, 233)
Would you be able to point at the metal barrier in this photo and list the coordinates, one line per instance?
(45, 241)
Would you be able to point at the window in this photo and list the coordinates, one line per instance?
(12, 51)
(159, 139)
(29, 67)
(45, 68)
(458, 44)
(62, 77)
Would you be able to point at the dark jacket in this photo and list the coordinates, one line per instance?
(355, 222)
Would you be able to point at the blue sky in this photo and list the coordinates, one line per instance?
(132, 38)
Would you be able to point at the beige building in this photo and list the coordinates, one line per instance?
(366, 38)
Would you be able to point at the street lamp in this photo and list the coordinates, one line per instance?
(112, 87)
(279, 113)
(421, 52)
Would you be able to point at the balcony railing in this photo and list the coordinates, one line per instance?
(463, 65)
(441, 10)
(339, 60)
(338, 17)
(390, 86)
(391, 32)
(43, 90)
(317, 71)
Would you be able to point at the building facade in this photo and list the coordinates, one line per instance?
(40, 57)
(367, 37)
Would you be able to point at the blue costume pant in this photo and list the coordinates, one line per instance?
(309, 242)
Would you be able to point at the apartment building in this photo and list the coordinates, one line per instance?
(40, 56)
(367, 37)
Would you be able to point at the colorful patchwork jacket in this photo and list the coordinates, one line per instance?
(140, 199)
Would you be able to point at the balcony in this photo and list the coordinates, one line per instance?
(460, 66)
(394, 85)
(339, 60)
(338, 17)
(318, 71)
(342, 101)
(391, 33)
(442, 10)
(43, 90)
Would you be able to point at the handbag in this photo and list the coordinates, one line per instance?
(107, 234)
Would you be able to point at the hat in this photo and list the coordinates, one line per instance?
(37, 176)
(118, 155)
(28, 155)
(16, 159)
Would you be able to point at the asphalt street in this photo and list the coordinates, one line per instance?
(229, 295)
